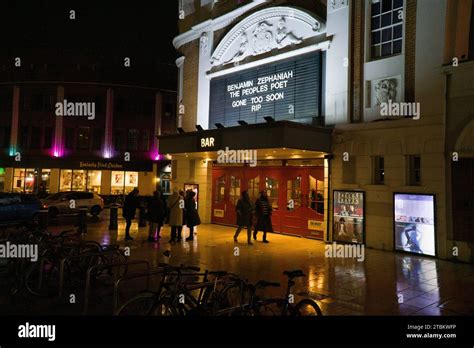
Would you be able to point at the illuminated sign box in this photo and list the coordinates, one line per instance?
(349, 217)
(285, 90)
(414, 223)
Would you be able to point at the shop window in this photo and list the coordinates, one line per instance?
(93, 183)
(2, 179)
(414, 170)
(123, 182)
(69, 141)
(145, 141)
(234, 189)
(386, 34)
(220, 190)
(83, 138)
(78, 180)
(24, 180)
(48, 137)
(65, 180)
(293, 193)
(97, 139)
(316, 194)
(253, 188)
(45, 181)
(271, 185)
(379, 170)
(35, 142)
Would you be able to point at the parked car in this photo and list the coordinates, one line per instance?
(70, 202)
(15, 207)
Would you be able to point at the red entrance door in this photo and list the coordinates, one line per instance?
(295, 194)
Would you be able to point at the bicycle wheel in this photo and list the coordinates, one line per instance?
(165, 307)
(306, 307)
(142, 304)
(42, 279)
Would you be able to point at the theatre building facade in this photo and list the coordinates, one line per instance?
(335, 108)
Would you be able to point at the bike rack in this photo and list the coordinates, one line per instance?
(134, 276)
(103, 267)
(62, 265)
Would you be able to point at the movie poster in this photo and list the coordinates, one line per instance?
(348, 217)
(414, 223)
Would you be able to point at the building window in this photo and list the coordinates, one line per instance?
(35, 138)
(379, 170)
(69, 138)
(48, 137)
(4, 137)
(271, 186)
(132, 144)
(414, 170)
(80, 180)
(145, 141)
(119, 139)
(24, 138)
(123, 182)
(93, 183)
(293, 193)
(386, 36)
(83, 138)
(97, 139)
(316, 194)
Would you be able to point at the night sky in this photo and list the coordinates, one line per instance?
(103, 28)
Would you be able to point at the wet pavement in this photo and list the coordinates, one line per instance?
(385, 283)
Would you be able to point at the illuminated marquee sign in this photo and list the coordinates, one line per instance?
(285, 90)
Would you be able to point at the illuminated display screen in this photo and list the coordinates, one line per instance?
(415, 223)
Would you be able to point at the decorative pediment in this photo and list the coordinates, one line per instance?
(266, 30)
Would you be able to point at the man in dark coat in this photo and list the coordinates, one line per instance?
(263, 210)
(156, 215)
(244, 216)
(191, 215)
(129, 208)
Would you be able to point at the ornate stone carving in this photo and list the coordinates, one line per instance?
(385, 90)
(203, 42)
(266, 30)
(334, 5)
(285, 37)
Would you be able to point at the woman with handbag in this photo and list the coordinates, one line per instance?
(176, 215)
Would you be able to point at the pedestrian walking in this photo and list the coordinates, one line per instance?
(129, 209)
(263, 210)
(156, 216)
(244, 211)
(175, 206)
(191, 213)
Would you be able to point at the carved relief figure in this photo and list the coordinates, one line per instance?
(203, 42)
(262, 38)
(385, 90)
(285, 37)
(240, 54)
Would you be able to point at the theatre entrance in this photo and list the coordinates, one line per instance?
(296, 195)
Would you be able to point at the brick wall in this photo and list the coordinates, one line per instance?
(190, 83)
(357, 62)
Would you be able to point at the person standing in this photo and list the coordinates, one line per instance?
(175, 206)
(244, 216)
(192, 216)
(263, 211)
(129, 209)
(156, 216)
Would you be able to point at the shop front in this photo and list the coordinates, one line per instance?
(47, 176)
(289, 161)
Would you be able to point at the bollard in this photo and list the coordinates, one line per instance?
(81, 222)
(113, 223)
(43, 219)
(142, 216)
